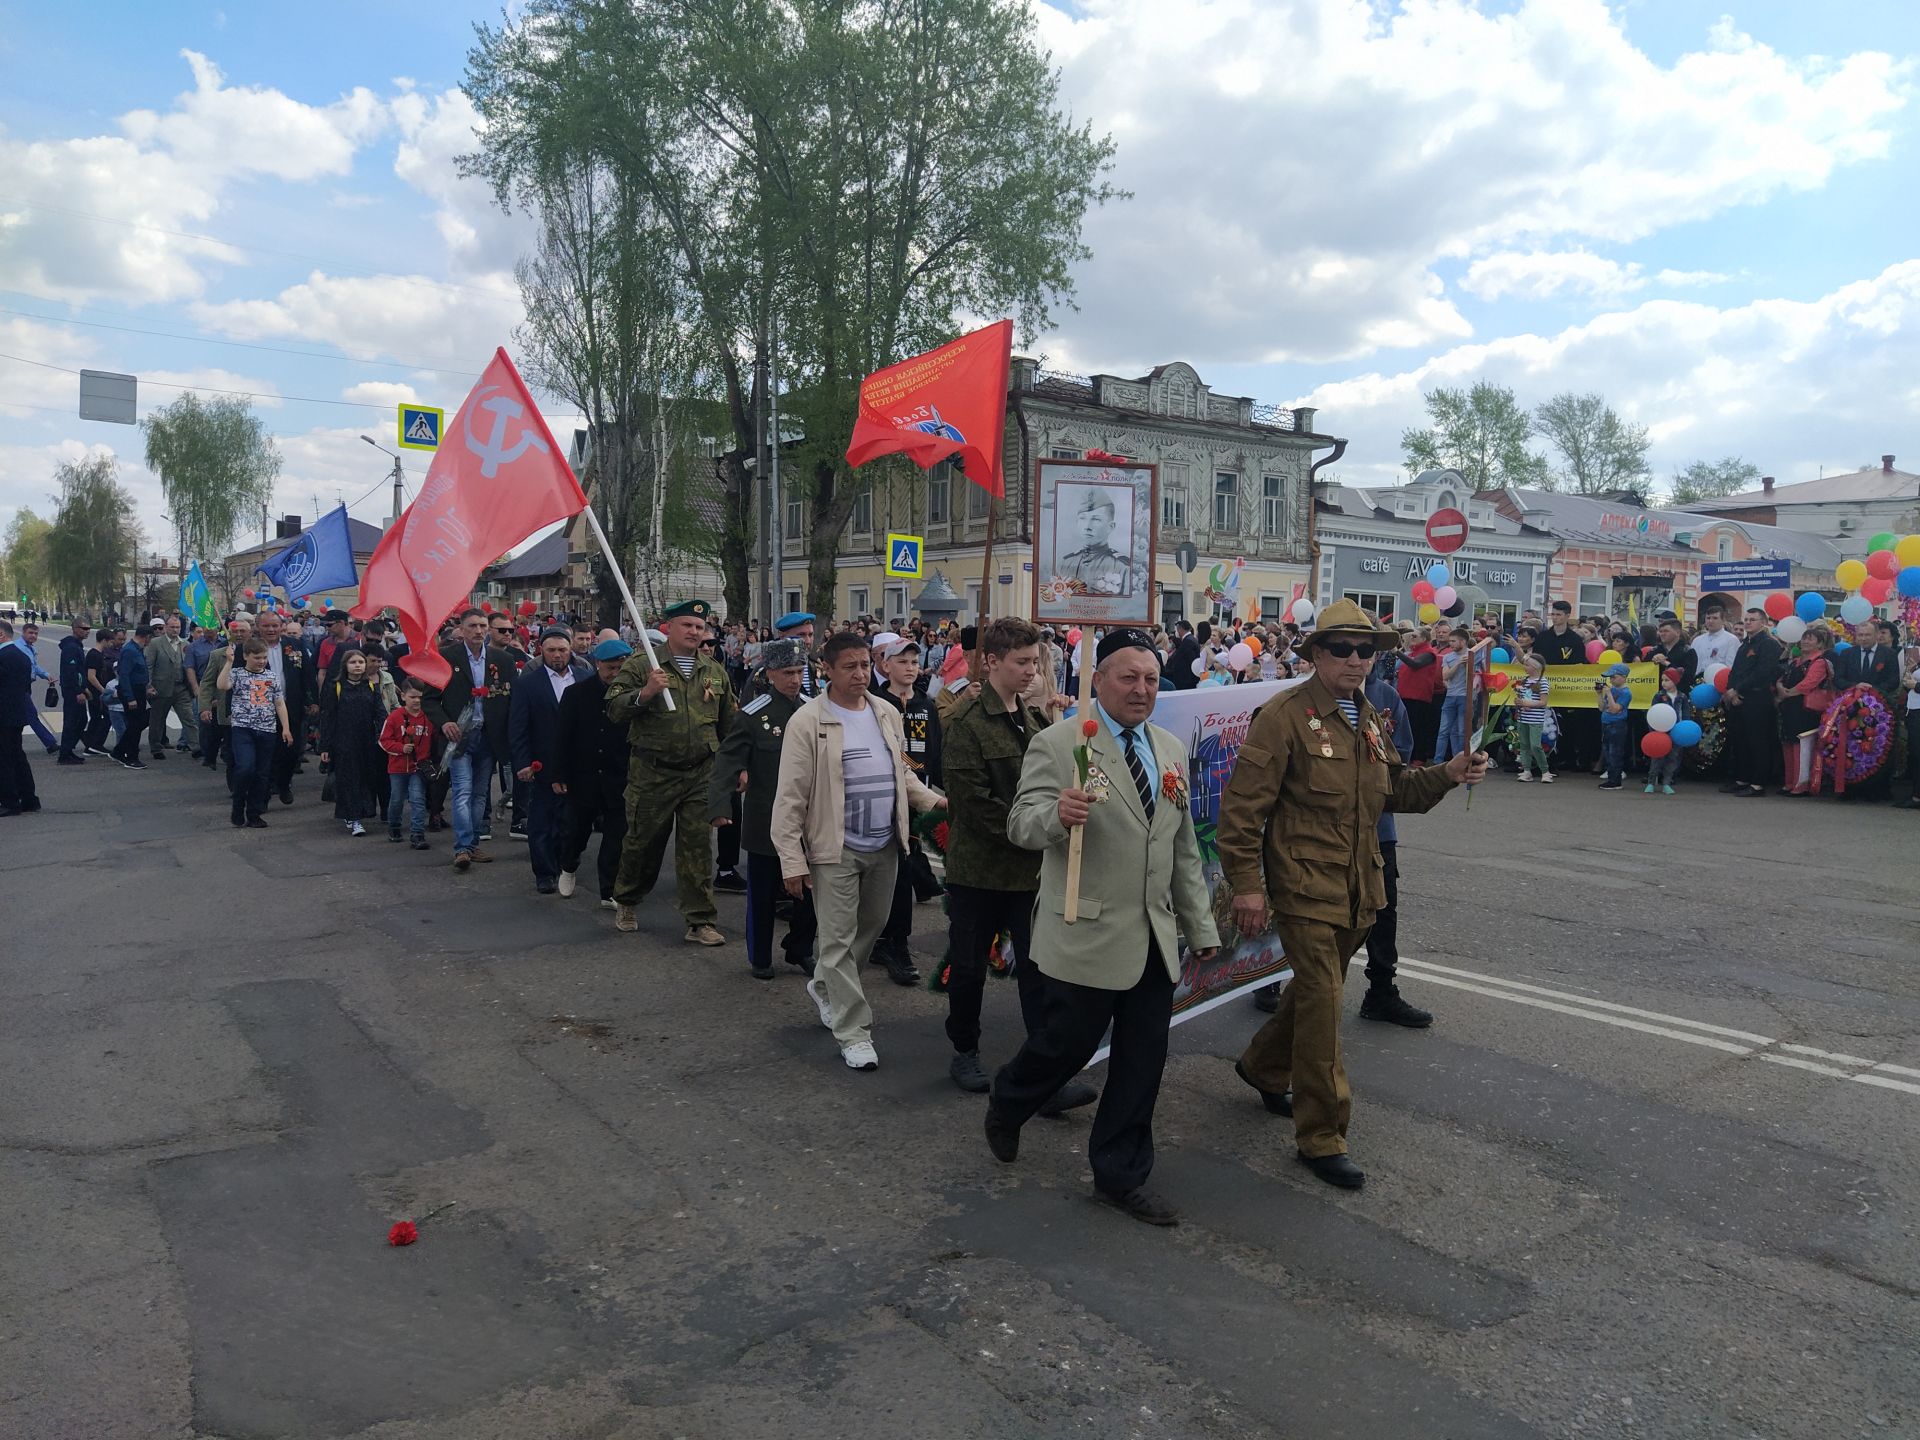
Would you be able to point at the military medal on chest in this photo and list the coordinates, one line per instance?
(1098, 785)
(1319, 729)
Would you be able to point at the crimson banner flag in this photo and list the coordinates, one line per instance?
(950, 401)
(497, 477)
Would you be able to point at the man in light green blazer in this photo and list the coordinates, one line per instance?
(1141, 888)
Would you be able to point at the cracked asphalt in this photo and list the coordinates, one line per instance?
(230, 1060)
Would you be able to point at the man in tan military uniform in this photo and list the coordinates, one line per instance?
(1099, 568)
(1298, 837)
(672, 760)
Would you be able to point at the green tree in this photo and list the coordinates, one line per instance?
(1710, 479)
(216, 464)
(1482, 433)
(1599, 452)
(863, 174)
(94, 541)
(23, 555)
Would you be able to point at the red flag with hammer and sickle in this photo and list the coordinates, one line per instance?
(497, 477)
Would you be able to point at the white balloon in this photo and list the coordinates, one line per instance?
(1707, 675)
(1445, 596)
(1240, 656)
(1855, 609)
(1303, 611)
(1662, 717)
(1200, 665)
(1791, 629)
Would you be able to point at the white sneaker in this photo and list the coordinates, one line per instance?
(566, 884)
(1526, 777)
(606, 902)
(356, 828)
(1547, 779)
(860, 1055)
(817, 992)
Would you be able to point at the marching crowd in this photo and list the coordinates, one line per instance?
(829, 769)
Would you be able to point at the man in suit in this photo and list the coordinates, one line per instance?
(1300, 848)
(1874, 659)
(590, 769)
(1186, 650)
(17, 795)
(533, 737)
(1141, 888)
(472, 713)
(288, 665)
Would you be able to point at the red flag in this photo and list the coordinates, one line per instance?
(497, 477)
(950, 401)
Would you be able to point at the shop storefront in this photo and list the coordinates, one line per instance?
(1373, 558)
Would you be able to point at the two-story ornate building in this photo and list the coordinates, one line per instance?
(1235, 481)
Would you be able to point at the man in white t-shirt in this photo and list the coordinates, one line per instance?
(840, 828)
(1715, 644)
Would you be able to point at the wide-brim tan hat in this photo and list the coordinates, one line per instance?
(1344, 620)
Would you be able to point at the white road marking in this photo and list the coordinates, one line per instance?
(1864, 1071)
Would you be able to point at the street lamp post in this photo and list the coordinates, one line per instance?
(397, 472)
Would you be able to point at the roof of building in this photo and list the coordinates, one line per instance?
(1082, 391)
(1868, 483)
(1773, 542)
(546, 556)
(1370, 502)
(1587, 520)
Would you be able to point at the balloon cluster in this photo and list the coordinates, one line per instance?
(1892, 567)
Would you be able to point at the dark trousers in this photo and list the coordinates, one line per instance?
(1073, 1020)
(1752, 741)
(1383, 941)
(899, 927)
(285, 757)
(136, 724)
(212, 739)
(73, 725)
(16, 776)
(1613, 749)
(766, 897)
(1424, 717)
(1579, 739)
(601, 798)
(98, 722)
(1913, 753)
(251, 753)
(546, 817)
(726, 846)
(974, 917)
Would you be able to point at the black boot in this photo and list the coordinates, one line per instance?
(1383, 1002)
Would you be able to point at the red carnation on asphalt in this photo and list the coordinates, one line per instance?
(403, 1233)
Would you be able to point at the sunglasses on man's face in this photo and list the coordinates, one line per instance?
(1346, 649)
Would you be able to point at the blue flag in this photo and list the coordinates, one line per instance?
(321, 559)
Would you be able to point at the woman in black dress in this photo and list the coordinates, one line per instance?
(350, 719)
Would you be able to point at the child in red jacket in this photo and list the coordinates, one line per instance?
(407, 737)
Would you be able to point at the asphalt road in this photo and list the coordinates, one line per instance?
(1652, 1173)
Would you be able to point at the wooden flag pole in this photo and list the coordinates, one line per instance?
(633, 606)
(1077, 839)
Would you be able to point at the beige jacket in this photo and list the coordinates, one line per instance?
(1139, 878)
(810, 803)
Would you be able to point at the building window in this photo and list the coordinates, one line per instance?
(1270, 608)
(1273, 506)
(1596, 596)
(1063, 452)
(1226, 503)
(793, 601)
(1171, 606)
(796, 519)
(863, 513)
(937, 482)
(1376, 603)
(1724, 547)
(896, 602)
(1173, 497)
(977, 498)
(856, 599)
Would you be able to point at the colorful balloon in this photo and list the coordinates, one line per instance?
(1655, 744)
(1686, 734)
(1885, 540)
(1609, 657)
(1704, 697)
(1791, 629)
(1851, 574)
(1438, 574)
(1240, 656)
(1595, 648)
(1428, 613)
(1856, 608)
(1884, 563)
(1811, 605)
(1662, 717)
(1252, 642)
(1907, 552)
(1422, 591)
(1778, 605)
(1910, 583)
(1722, 678)
(1500, 656)
(1877, 590)
(1302, 611)
(1445, 597)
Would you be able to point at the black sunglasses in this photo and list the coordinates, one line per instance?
(1344, 649)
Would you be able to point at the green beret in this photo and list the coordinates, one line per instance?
(699, 609)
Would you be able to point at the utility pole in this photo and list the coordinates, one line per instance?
(775, 568)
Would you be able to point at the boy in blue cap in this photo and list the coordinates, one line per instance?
(1616, 700)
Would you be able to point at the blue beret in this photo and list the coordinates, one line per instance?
(612, 650)
(791, 619)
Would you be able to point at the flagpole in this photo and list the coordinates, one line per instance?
(633, 608)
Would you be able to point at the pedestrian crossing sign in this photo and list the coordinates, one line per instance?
(903, 556)
(420, 427)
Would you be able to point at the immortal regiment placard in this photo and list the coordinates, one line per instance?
(1093, 543)
(1213, 721)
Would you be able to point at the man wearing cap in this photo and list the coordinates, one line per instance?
(1299, 845)
(672, 760)
(746, 773)
(1099, 568)
(1141, 889)
(533, 738)
(798, 625)
(590, 770)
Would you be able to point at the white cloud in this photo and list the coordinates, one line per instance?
(1686, 279)
(1786, 384)
(1537, 274)
(435, 131)
(1381, 145)
(380, 392)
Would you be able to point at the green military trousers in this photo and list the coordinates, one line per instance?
(659, 800)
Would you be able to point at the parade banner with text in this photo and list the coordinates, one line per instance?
(1213, 720)
(949, 401)
(1571, 687)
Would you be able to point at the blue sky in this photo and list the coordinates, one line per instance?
(1704, 211)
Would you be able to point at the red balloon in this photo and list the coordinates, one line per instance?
(1723, 678)
(1778, 605)
(1877, 589)
(1884, 564)
(1423, 592)
(527, 607)
(486, 607)
(1655, 744)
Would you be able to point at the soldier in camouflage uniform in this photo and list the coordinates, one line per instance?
(672, 761)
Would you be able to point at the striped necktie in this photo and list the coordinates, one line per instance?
(1138, 770)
